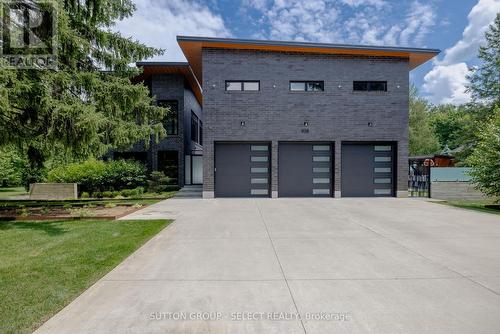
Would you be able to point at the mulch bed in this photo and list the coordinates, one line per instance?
(51, 213)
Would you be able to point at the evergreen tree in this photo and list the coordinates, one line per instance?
(88, 105)
(485, 80)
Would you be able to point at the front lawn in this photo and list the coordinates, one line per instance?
(12, 191)
(45, 265)
(477, 205)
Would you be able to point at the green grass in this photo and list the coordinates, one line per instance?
(45, 265)
(477, 205)
(12, 191)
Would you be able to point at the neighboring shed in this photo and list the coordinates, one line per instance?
(437, 160)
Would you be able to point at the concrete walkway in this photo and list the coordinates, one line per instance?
(345, 265)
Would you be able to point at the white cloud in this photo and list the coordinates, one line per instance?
(446, 82)
(302, 20)
(480, 17)
(158, 22)
(256, 4)
(357, 3)
(326, 21)
(419, 20)
(374, 29)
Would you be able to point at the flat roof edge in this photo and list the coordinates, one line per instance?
(161, 63)
(304, 44)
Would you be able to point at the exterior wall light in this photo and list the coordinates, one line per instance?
(242, 123)
(370, 124)
(306, 123)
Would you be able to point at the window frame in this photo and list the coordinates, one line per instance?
(306, 83)
(369, 85)
(242, 85)
(166, 119)
(195, 121)
(200, 132)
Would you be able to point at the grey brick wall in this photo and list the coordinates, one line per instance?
(170, 87)
(190, 104)
(275, 114)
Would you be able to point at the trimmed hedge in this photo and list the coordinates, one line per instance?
(101, 176)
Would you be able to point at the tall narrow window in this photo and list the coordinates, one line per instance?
(380, 86)
(307, 86)
(201, 133)
(170, 122)
(194, 127)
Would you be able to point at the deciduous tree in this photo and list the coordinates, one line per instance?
(422, 137)
(485, 160)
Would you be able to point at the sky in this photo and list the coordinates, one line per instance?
(456, 27)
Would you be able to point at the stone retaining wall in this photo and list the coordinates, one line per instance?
(48, 191)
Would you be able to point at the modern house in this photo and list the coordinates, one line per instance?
(293, 119)
(290, 119)
(179, 155)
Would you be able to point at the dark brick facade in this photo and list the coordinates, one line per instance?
(275, 114)
(173, 87)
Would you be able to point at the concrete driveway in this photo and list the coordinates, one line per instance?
(345, 265)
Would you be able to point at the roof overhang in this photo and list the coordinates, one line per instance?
(150, 68)
(192, 47)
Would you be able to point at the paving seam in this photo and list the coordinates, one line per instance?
(281, 267)
(280, 279)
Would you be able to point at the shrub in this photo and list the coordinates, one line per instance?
(132, 192)
(95, 176)
(125, 192)
(84, 195)
(80, 212)
(122, 174)
(158, 182)
(23, 211)
(107, 194)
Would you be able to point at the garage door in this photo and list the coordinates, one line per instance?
(304, 169)
(367, 170)
(242, 170)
